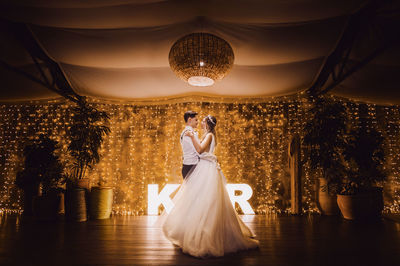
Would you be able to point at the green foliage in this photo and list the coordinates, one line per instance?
(86, 135)
(41, 165)
(364, 155)
(325, 139)
(351, 159)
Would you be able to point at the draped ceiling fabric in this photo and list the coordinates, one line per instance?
(118, 49)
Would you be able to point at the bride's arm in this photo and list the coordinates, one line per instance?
(200, 147)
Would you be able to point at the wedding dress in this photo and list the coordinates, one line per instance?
(203, 221)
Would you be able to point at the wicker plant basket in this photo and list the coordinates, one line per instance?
(326, 203)
(76, 205)
(100, 203)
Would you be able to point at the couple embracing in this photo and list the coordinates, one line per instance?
(203, 221)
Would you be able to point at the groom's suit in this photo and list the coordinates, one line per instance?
(190, 155)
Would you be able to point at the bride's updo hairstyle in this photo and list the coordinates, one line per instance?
(211, 122)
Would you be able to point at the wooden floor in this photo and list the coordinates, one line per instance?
(284, 240)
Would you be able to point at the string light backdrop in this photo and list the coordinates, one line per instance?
(143, 147)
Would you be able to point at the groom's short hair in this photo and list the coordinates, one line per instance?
(189, 114)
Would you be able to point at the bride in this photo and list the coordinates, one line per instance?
(203, 221)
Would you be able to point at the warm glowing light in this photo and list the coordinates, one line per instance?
(200, 81)
(143, 147)
(155, 199)
(241, 199)
(201, 58)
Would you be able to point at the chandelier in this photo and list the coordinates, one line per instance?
(201, 58)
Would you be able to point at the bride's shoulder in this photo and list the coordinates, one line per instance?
(209, 135)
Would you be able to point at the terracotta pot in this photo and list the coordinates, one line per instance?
(327, 203)
(362, 206)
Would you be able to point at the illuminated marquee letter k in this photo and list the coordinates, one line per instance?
(155, 199)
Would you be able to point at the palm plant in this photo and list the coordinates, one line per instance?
(86, 135)
(364, 156)
(325, 139)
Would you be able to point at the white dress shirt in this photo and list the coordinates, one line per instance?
(190, 155)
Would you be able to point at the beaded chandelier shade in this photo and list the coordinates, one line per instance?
(201, 58)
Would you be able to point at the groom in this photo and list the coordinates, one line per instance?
(190, 155)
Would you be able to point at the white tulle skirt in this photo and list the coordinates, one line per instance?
(203, 221)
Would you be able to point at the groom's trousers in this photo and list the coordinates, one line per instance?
(186, 169)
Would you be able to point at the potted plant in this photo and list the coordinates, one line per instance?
(324, 140)
(85, 136)
(359, 196)
(101, 199)
(42, 167)
(28, 178)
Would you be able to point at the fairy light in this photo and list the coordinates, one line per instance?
(143, 147)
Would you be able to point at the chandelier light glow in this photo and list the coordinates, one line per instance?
(201, 58)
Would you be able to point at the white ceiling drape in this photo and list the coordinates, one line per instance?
(119, 49)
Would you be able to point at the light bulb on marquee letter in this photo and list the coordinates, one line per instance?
(155, 199)
(241, 199)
